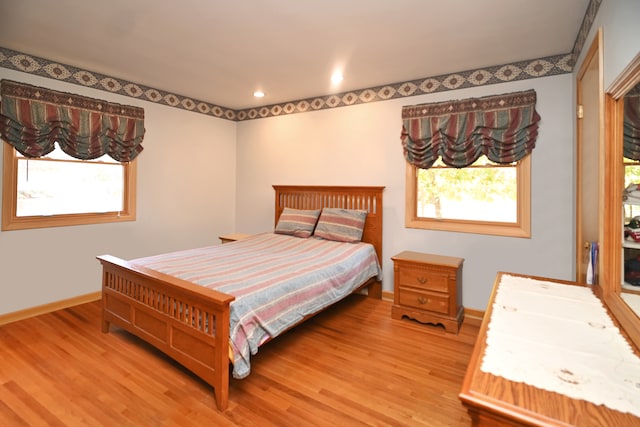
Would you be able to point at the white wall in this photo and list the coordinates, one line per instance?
(620, 21)
(186, 198)
(360, 145)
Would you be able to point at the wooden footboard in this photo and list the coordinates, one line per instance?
(187, 322)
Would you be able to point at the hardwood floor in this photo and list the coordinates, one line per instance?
(350, 365)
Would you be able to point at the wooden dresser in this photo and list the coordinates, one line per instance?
(494, 401)
(428, 288)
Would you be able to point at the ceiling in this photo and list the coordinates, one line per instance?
(221, 51)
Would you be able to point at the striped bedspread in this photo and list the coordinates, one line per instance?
(277, 281)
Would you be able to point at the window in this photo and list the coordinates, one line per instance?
(67, 159)
(631, 176)
(59, 190)
(483, 198)
(631, 172)
(468, 164)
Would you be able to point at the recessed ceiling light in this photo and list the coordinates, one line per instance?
(336, 77)
(258, 94)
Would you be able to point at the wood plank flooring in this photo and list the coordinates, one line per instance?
(351, 365)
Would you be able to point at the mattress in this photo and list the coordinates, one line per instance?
(277, 281)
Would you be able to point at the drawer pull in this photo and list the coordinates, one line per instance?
(422, 280)
(422, 300)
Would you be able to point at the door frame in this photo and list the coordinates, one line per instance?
(593, 54)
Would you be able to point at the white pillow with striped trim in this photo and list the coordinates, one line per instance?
(297, 222)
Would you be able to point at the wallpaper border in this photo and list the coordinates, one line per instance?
(530, 69)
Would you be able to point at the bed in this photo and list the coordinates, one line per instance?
(192, 323)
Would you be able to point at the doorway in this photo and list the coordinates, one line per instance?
(589, 163)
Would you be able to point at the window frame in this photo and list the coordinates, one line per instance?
(10, 221)
(521, 228)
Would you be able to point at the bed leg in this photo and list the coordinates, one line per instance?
(105, 323)
(375, 290)
(222, 399)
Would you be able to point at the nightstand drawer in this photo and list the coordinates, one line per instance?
(424, 300)
(423, 279)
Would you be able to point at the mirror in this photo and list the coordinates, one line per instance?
(621, 248)
(630, 287)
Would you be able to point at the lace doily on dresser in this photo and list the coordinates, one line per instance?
(560, 338)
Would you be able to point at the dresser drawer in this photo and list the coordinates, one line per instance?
(424, 300)
(423, 279)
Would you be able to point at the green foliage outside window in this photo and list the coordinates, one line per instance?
(484, 191)
(631, 172)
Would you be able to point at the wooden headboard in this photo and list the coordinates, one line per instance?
(318, 197)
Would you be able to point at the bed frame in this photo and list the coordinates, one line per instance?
(190, 323)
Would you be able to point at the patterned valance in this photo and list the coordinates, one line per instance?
(502, 127)
(32, 119)
(631, 132)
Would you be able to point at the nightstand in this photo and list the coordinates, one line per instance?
(233, 237)
(428, 288)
